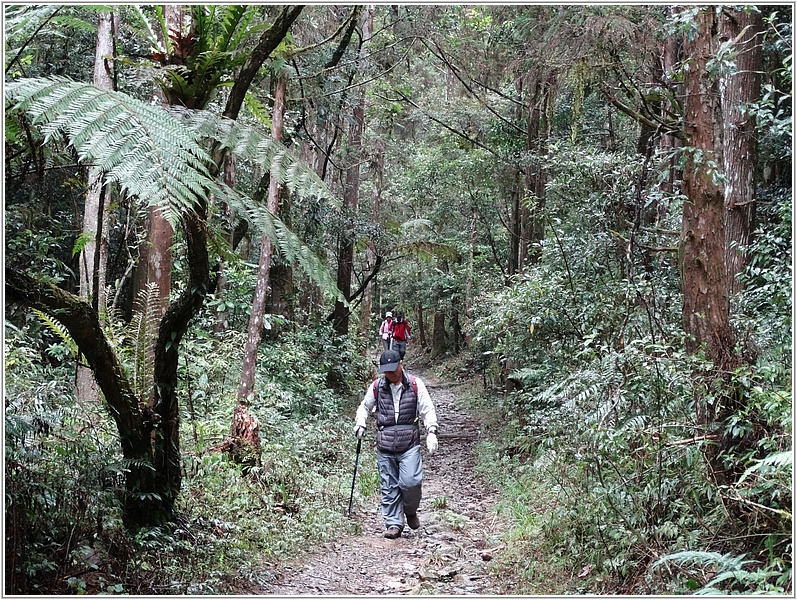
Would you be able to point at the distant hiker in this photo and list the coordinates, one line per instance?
(401, 334)
(401, 400)
(385, 328)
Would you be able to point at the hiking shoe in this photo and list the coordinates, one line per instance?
(392, 533)
(413, 521)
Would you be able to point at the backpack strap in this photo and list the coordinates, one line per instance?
(412, 380)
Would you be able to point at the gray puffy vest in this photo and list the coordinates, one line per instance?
(396, 435)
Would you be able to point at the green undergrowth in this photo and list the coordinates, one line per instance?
(614, 495)
(235, 523)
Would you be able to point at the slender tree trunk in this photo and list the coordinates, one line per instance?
(469, 282)
(539, 128)
(94, 256)
(423, 339)
(378, 167)
(230, 176)
(737, 89)
(351, 194)
(247, 382)
(283, 295)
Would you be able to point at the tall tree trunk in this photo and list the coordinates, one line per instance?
(704, 276)
(706, 306)
(351, 193)
(423, 339)
(222, 323)
(538, 132)
(247, 382)
(377, 167)
(469, 281)
(155, 253)
(282, 298)
(439, 334)
(94, 256)
(743, 29)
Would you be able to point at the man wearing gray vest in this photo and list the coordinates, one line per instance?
(401, 400)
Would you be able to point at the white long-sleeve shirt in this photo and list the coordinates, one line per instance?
(425, 407)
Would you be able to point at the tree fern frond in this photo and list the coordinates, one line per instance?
(59, 330)
(23, 20)
(247, 142)
(285, 241)
(722, 562)
(139, 146)
(70, 22)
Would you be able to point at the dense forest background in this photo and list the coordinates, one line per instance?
(586, 210)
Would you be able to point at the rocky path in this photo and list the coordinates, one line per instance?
(449, 554)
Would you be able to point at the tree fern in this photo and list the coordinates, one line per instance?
(251, 144)
(155, 154)
(137, 145)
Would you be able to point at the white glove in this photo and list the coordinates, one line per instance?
(359, 431)
(431, 442)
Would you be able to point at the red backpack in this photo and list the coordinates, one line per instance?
(400, 330)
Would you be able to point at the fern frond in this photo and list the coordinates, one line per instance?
(249, 143)
(285, 241)
(141, 25)
(138, 145)
(722, 562)
(773, 462)
(23, 20)
(69, 22)
(143, 326)
(59, 330)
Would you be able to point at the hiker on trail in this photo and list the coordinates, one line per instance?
(401, 400)
(401, 334)
(385, 328)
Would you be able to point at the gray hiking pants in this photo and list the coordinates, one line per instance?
(400, 347)
(400, 477)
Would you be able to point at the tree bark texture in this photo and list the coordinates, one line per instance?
(94, 256)
(255, 328)
(706, 308)
(740, 142)
(439, 334)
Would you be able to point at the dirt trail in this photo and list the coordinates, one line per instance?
(449, 554)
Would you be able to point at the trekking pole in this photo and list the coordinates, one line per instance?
(390, 347)
(356, 460)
